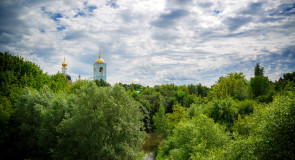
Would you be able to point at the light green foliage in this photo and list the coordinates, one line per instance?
(161, 122)
(234, 85)
(277, 133)
(77, 85)
(240, 148)
(58, 82)
(270, 131)
(165, 123)
(223, 111)
(179, 113)
(193, 139)
(105, 124)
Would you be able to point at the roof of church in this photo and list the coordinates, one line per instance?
(64, 65)
(68, 77)
(99, 60)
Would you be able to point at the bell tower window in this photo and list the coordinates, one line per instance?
(100, 71)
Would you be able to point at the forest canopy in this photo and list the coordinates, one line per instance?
(44, 117)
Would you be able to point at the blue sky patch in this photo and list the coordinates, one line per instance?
(53, 16)
(56, 16)
(285, 11)
(91, 8)
(112, 3)
(81, 13)
(217, 12)
(60, 28)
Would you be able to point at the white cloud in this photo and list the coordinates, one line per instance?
(152, 42)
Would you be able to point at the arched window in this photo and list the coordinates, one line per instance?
(100, 71)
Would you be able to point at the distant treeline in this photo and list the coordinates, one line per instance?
(43, 117)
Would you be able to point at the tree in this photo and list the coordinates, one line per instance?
(223, 112)
(268, 133)
(28, 118)
(234, 85)
(193, 139)
(58, 82)
(161, 122)
(277, 129)
(101, 125)
(289, 76)
(258, 71)
(101, 83)
(259, 85)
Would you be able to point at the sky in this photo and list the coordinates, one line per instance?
(152, 42)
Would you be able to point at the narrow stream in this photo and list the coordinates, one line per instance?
(151, 142)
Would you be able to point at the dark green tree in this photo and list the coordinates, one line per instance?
(259, 85)
(101, 83)
(28, 118)
(258, 71)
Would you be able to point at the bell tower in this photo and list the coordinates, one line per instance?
(100, 69)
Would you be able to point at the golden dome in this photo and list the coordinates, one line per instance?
(99, 60)
(64, 65)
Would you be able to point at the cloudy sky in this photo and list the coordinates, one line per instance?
(152, 42)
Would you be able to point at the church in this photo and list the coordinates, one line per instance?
(64, 71)
(99, 69)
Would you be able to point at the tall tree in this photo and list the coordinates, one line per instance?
(258, 71)
(234, 85)
(101, 126)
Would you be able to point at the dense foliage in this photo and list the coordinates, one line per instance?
(43, 117)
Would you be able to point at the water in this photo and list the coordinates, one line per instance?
(149, 156)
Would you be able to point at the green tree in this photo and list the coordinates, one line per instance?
(101, 126)
(277, 134)
(161, 122)
(223, 112)
(289, 76)
(77, 85)
(268, 133)
(101, 83)
(259, 85)
(258, 71)
(59, 82)
(28, 118)
(193, 139)
(60, 107)
(234, 85)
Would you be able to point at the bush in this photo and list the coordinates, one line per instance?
(193, 139)
(270, 130)
(223, 112)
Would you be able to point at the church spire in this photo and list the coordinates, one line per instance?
(64, 64)
(99, 60)
(99, 54)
